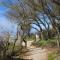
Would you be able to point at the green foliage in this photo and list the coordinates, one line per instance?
(43, 43)
(47, 43)
(40, 43)
(51, 56)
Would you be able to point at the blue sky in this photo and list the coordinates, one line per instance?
(5, 24)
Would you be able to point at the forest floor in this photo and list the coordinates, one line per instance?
(37, 53)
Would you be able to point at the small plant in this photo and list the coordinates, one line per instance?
(51, 56)
(45, 43)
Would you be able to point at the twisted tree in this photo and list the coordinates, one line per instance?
(23, 10)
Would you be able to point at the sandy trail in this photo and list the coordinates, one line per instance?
(35, 53)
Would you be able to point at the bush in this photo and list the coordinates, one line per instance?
(52, 56)
(42, 43)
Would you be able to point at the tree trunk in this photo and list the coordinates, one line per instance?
(58, 38)
(41, 36)
(57, 41)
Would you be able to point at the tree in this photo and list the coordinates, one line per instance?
(19, 13)
(22, 11)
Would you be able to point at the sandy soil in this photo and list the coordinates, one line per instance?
(35, 53)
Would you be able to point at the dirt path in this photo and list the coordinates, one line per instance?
(35, 53)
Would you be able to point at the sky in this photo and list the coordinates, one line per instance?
(5, 24)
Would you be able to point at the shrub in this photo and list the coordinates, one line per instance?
(42, 43)
(51, 56)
